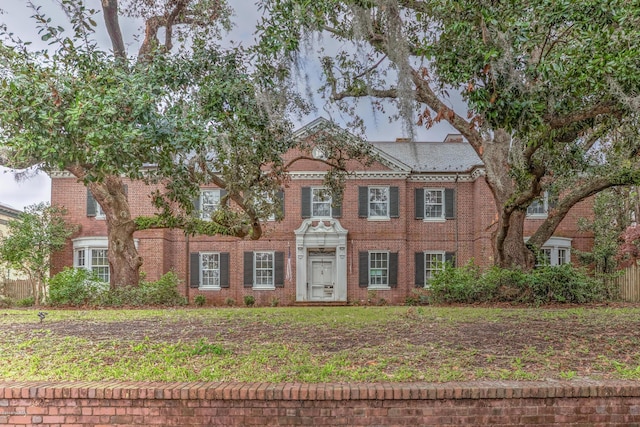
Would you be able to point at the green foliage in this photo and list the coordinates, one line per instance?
(249, 300)
(76, 287)
(230, 301)
(163, 292)
(543, 285)
(26, 302)
(200, 300)
(31, 239)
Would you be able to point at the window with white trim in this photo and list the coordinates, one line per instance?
(209, 203)
(320, 202)
(99, 212)
(539, 208)
(263, 270)
(378, 202)
(379, 269)
(433, 262)
(433, 204)
(555, 251)
(93, 259)
(209, 270)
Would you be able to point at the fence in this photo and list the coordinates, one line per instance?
(629, 284)
(15, 289)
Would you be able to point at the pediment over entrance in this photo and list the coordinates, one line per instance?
(320, 226)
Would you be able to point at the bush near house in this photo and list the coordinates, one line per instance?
(78, 287)
(544, 285)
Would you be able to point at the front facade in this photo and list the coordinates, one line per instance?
(420, 205)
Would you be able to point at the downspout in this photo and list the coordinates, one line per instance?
(457, 217)
(187, 282)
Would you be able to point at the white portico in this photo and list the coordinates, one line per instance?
(321, 260)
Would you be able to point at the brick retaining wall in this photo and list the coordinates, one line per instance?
(83, 404)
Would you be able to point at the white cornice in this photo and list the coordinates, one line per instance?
(60, 174)
(352, 175)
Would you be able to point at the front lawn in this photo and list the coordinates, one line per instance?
(328, 344)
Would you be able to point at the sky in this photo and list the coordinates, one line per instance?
(37, 188)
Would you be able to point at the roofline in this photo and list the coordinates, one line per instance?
(9, 211)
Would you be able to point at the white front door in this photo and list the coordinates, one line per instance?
(322, 283)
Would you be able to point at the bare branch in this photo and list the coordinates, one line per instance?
(110, 9)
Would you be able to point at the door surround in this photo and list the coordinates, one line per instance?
(326, 234)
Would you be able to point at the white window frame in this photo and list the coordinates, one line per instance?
(386, 259)
(371, 202)
(83, 250)
(99, 212)
(327, 200)
(430, 266)
(558, 250)
(205, 214)
(443, 208)
(257, 269)
(539, 208)
(216, 279)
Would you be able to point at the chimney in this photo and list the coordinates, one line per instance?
(403, 139)
(453, 137)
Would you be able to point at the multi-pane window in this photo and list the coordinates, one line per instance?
(263, 269)
(100, 264)
(539, 207)
(433, 204)
(209, 202)
(99, 212)
(210, 270)
(81, 259)
(320, 202)
(433, 262)
(379, 202)
(378, 269)
(563, 257)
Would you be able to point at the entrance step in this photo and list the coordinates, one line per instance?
(320, 304)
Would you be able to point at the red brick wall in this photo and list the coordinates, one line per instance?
(469, 235)
(574, 403)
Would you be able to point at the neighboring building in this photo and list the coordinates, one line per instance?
(7, 213)
(422, 204)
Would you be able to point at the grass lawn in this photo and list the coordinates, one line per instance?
(324, 344)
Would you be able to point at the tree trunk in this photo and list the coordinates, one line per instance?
(509, 247)
(124, 261)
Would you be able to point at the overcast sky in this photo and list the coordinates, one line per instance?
(37, 188)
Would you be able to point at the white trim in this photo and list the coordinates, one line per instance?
(330, 201)
(424, 261)
(262, 287)
(200, 201)
(386, 217)
(378, 287)
(443, 215)
(208, 287)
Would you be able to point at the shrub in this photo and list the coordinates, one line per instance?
(26, 302)
(163, 292)
(230, 302)
(549, 284)
(200, 300)
(75, 287)
(249, 300)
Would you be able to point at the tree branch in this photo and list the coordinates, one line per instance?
(110, 10)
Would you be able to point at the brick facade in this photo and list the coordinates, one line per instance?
(573, 403)
(467, 234)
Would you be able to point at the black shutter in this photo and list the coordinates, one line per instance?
(449, 203)
(278, 274)
(394, 202)
(224, 270)
(91, 204)
(306, 202)
(194, 270)
(280, 197)
(336, 208)
(363, 269)
(393, 269)
(450, 257)
(419, 257)
(248, 269)
(419, 199)
(363, 202)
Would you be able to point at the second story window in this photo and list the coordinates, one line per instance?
(208, 202)
(539, 208)
(320, 202)
(435, 204)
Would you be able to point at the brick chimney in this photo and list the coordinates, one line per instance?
(453, 137)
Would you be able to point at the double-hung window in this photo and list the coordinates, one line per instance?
(378, 202)
(428, 263)
(320, 202)
(210, 270)
(209, 203)
(92, 255)
(263, 270)
(378, 269)
(435, 204)
(539, 208)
